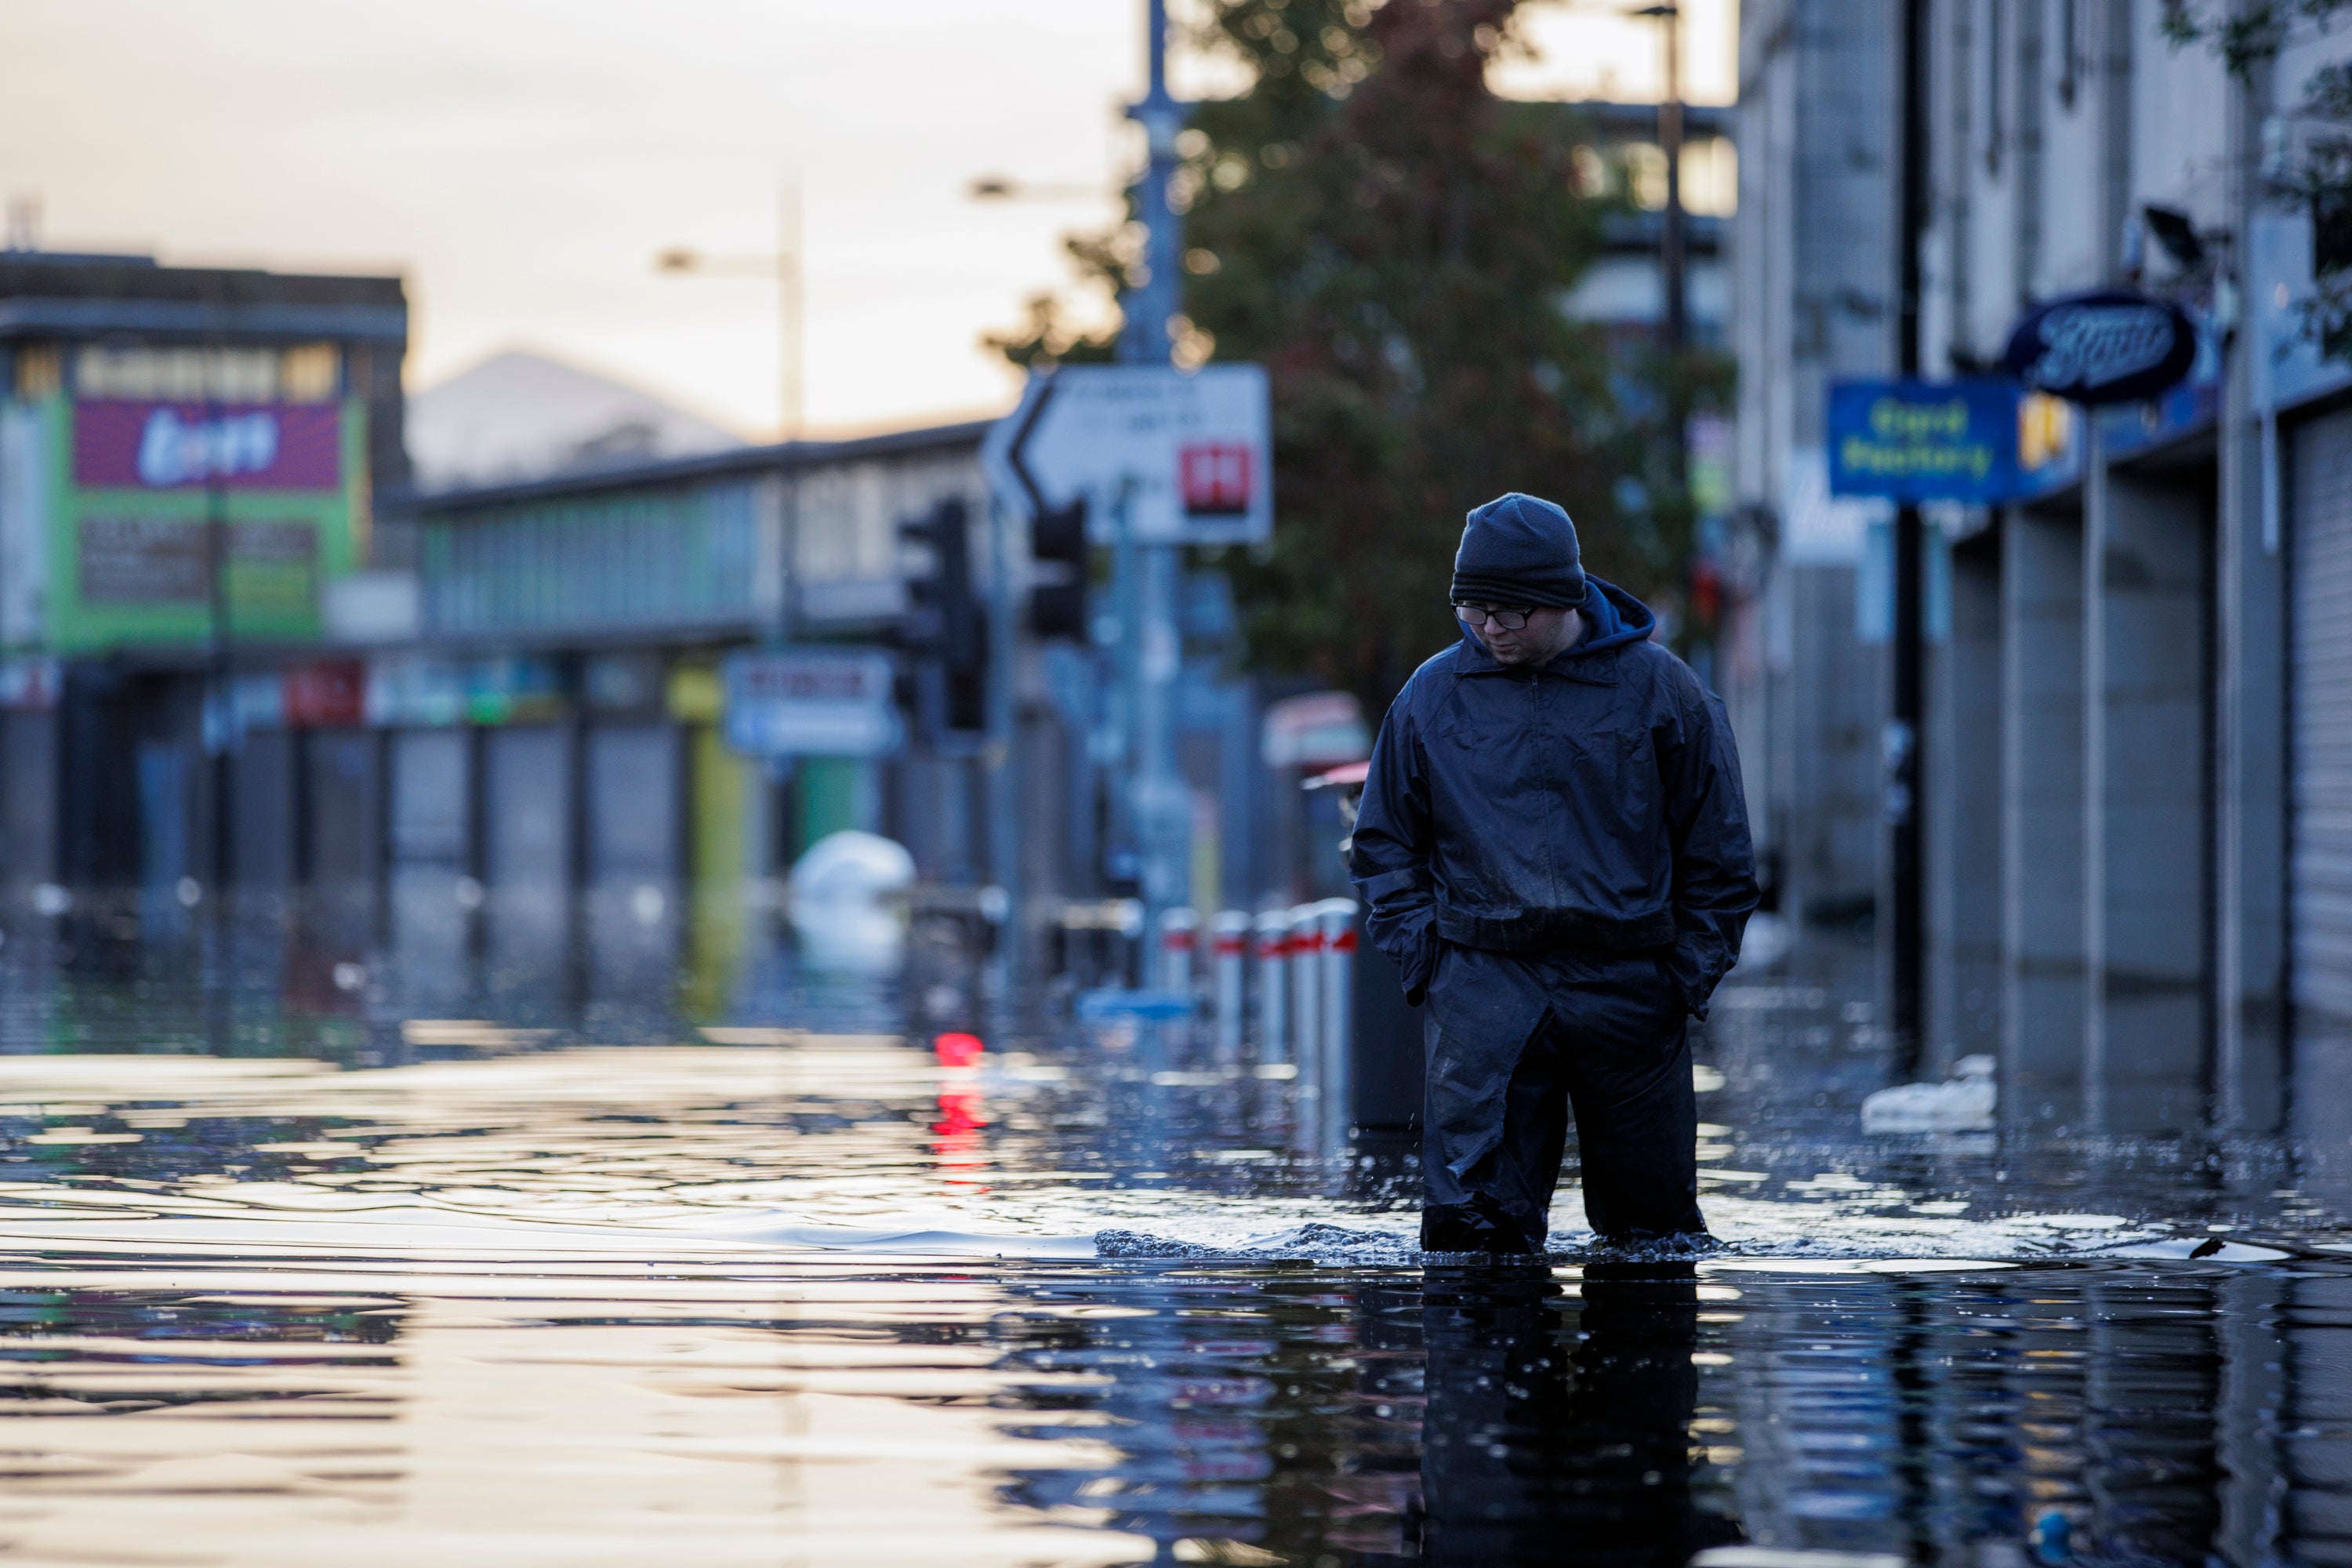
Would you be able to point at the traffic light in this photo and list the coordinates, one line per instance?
(946, 628)
(1057, 542)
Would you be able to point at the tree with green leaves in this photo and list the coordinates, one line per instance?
(1396, 244)
(2314, 172)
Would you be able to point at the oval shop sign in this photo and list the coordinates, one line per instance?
(2110, 346)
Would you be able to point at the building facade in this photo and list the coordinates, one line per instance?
(191, 465)
(2132, 797)
(1814, 298)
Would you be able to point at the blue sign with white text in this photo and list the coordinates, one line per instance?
(1924, 440)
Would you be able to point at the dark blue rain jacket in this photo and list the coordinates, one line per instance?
(1593, 804)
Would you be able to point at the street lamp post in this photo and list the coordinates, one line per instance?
(1005, 189)
(1903, 748)
(786, 267)
(219, 718)
(1673, 246)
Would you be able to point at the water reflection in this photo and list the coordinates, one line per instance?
(1542, 1422)
(323, 1242)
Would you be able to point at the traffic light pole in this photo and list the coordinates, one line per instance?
(1160, 804)
(1000, 767)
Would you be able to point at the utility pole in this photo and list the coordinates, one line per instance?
(1674, 270)
(1907, 880)
(220, 720)
(785, 267)
(1161, 803)
(1673, 266)
(790, 309)
(1144, 337)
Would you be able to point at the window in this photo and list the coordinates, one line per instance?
(309, 374)
(40, 370)
(1996, 40)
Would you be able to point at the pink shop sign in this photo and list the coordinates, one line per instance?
(183, 446)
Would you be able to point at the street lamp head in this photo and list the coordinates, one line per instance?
(677, 259)
(1658, 11)
(991, 188)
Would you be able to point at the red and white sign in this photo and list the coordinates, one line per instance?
(1217, 479)
(1182, 456)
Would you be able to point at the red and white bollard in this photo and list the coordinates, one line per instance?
(1273, 927)
(1179, 933)
(1307, 990)
(1228, 939)
(1335, 959)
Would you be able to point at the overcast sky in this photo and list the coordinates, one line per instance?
(521, 161)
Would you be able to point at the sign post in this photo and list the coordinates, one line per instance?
(1162, 458)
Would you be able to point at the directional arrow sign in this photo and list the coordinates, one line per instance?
(1188, 451)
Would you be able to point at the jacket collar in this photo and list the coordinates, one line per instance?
(1592, 669)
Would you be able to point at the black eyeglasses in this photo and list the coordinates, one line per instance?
(1510, 620)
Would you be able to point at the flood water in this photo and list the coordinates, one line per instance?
(319, 1248)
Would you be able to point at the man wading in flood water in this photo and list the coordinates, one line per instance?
(1553, 846)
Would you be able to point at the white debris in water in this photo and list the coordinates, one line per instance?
(1959, 1105)
(841, 911)
(1765, 944)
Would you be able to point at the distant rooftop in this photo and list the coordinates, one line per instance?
(76, 257)
(772, 457)
(51, 294)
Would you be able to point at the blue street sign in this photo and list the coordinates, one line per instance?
(811, 702)
(1921, 440)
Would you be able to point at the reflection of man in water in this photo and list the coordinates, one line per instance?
(1555, 851)
(1537, 1448)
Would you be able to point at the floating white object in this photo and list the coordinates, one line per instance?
(1959, 1105)
(1766, 942)
(839, 909)
(1795, 1557)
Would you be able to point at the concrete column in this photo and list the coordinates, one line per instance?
(2249, 701)
(2145, 710)
(1964, 816)
(2098, 505)
(1836, 690)
(2250, 849)
(2042, 817)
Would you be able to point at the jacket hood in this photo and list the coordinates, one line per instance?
(1616, 618)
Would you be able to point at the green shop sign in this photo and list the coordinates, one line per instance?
(148, 503)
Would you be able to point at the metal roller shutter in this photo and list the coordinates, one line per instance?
(2320, 594)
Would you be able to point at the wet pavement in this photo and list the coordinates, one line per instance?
(315, 1247)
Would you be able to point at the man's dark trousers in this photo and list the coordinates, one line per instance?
(1514, 1041)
